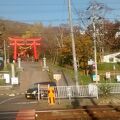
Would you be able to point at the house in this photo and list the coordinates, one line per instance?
(112, 58)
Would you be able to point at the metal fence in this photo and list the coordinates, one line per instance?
(76, 91)
(91, 90)
(114, 87)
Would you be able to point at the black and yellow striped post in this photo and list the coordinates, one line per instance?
(51, 95)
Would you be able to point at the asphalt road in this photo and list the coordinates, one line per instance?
(12, 100)
(15, 103)
(9, 115)
(10, 106)
(32, 72)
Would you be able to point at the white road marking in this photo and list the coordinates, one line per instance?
(26, 102)
(33, 102)
(8, 113)
(4, 101)
(12, 94)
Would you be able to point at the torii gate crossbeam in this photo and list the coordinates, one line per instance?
(17, 42)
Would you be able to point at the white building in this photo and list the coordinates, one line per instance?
(112, 58)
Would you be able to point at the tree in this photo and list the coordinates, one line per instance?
(35, 30)
(112, 43)
(84, 49)
(95, 13)
(50, 43)
(3, 41)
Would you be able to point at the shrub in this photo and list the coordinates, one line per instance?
(2, 81)
(105, 89)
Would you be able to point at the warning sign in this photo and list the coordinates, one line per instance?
(57, 77)
(108, 75)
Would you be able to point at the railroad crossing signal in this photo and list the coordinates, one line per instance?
(51, 95)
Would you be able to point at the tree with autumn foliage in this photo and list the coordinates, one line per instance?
(112, 44)
(84, 49)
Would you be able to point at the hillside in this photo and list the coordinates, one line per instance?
(13, 27)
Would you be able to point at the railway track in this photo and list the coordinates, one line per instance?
(84, 113)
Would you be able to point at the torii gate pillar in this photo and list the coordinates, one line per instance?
(15, 51)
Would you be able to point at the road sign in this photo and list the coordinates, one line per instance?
(90, 62)
(94, 77)
(7, 78)
(57, 77)
(108, 75)
(118, 78)
(14, 81)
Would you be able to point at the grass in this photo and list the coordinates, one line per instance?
(2, 82)
(109, 66)
(86, 79)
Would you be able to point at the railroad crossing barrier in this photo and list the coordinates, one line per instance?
(51, 96)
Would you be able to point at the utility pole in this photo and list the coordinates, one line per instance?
(94, 18)
(73, 44)
(95, 50)
(4, 53)
(97, 11)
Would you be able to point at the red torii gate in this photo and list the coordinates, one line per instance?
(18, 42)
